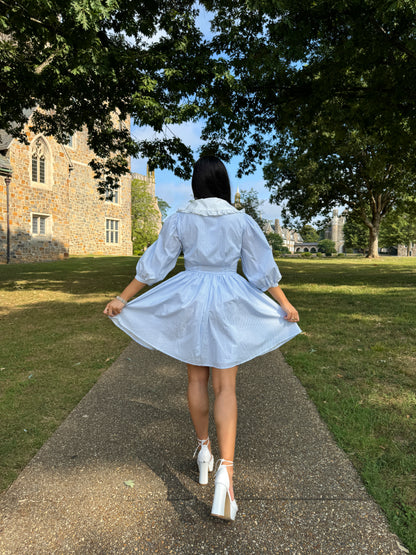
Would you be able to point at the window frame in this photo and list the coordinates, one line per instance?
(113, 201)
(48, 225)
(109, 231)
(39, 149)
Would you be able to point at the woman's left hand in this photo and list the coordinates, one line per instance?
(291, 313)
(113, 308)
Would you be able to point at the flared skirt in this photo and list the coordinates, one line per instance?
(207, 319)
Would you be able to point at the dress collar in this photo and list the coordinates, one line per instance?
(212, 206)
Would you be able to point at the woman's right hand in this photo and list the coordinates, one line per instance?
(113, 308)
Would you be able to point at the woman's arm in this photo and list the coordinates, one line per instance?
(115, 306)
(278, 295)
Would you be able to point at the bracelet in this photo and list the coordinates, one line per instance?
(121, 300)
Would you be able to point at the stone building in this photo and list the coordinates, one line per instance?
(291, 238)
(295, 243)
(335, 230)
(54, 207)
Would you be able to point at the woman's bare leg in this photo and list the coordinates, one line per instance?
(225, 414)
(198, 400)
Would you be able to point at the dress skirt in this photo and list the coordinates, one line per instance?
(207, 318)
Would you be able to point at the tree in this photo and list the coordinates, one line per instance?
(309, 234)
(163, 207)
(321, 91)
(252, 205)
(81, 62)
(276, 242)
(327, 246)
(145, 216)
(399, 227)
(355, 233)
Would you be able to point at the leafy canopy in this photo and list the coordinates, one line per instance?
(83, 61)
(322, 91)
(251, 203)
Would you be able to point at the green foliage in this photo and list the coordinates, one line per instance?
(309, 234)
(399, 226)
(276, 242)
(355, 233)
(163, 207)
(252, 205)
(327, 246)
(144, 217)
(306, 255)
(80, 62)
(335, 115)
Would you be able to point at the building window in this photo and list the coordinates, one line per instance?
(40, 225)
(112, 231)
(40, 160)
(70, 141)
(112, 195)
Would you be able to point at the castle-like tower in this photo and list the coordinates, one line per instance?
(335, 231)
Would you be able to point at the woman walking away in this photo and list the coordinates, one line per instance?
(209, 316)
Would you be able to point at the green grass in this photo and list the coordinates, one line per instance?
(54, 345)
(357, 358)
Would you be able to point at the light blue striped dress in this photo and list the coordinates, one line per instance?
(208, 315)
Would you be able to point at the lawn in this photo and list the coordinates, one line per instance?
(356, 358)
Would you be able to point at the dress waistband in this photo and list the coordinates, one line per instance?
(211, 269)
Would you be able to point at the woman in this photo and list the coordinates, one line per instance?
(209, 316)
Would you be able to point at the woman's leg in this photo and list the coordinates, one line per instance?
(198, 400)
(225, 414)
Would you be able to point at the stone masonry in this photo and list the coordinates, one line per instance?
(60, 213)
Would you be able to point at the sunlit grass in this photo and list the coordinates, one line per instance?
(356, 358)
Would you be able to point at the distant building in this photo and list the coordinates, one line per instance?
(335, 230)
(295, 243)
(291, 238)
(55, 209)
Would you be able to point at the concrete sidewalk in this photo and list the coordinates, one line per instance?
(296, 491)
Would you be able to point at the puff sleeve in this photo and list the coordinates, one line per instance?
(160, 258)
(257, 259)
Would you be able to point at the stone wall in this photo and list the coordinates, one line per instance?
(406, 250)
(68, 204)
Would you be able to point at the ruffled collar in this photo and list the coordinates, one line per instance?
(212, 206)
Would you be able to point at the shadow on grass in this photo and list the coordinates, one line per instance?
(86, 275)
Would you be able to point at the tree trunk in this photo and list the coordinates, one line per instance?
(373, 245)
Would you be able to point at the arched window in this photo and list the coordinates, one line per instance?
(40, 162)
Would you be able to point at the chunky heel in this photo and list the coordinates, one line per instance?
(205, 460)
(223, 506)
(218, 503)
(203, 472)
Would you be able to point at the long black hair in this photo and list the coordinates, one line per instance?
(210, 179)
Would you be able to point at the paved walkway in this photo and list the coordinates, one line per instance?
(296, 490)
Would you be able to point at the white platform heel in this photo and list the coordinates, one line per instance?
(205, 460)
(223, 506)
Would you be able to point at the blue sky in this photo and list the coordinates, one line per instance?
(177, 192)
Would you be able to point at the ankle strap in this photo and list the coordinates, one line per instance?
(201, 442)
(224, 462)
